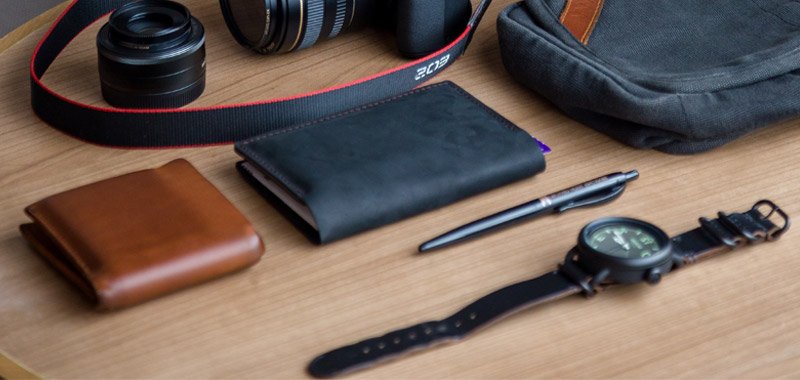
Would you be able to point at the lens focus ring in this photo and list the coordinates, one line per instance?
(316, 14)
(282, 26)
(339, 17)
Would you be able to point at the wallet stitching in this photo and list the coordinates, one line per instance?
(346, 113)
(298, 191)
(286, 181)
(289, 183)
(494, 114)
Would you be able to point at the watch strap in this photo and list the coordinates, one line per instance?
(485, 310)
(729, 231)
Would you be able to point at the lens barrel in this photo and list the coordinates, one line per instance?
(151, 54)
(282, 26)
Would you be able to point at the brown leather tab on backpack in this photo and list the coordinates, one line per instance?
(580, 17)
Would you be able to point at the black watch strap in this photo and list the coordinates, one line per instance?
(477, 314)
(729, 231)
(713, 236)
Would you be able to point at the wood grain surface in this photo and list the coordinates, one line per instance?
(18, 22)
(735, 315)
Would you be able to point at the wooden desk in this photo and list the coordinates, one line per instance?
(733, 316)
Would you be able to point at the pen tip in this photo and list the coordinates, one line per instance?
(631, 175)
(432, 244)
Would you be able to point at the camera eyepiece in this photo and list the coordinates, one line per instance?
(151, 54)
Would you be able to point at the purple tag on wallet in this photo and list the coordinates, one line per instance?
(542, 146)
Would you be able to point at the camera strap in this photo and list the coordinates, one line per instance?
(223, 124)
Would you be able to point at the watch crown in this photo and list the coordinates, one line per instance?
(653, 276)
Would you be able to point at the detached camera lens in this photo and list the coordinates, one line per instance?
(151, 54)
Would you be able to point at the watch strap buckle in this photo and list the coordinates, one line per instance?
(774, 232)
(754, 226)
(729, 231)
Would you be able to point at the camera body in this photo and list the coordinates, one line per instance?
(424, 26)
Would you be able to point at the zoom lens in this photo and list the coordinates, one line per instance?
(151, 54)
(281, 26)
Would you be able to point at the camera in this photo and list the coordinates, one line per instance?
(151, 53)
(281, 26)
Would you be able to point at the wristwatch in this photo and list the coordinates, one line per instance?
(609, 251)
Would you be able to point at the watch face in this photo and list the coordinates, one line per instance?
(624, 240)
(624, 250)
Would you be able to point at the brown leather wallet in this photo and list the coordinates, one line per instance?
(128, 239)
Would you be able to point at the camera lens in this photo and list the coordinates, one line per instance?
(281, 26)
(151, 54)
(252, 19)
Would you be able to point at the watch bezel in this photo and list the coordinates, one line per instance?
(621, 269)
(661, 237)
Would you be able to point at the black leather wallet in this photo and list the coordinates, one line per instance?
(386, 161)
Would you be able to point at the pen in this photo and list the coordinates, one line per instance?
(590, 193)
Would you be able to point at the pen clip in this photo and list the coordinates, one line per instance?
(594, 200)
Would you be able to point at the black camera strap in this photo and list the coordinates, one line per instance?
(154, 128)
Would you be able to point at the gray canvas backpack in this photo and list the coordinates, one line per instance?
(679, 76)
